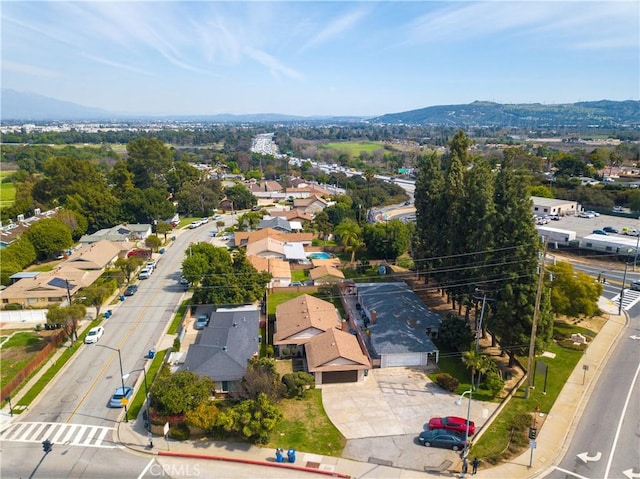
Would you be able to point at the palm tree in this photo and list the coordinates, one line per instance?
(350, 233)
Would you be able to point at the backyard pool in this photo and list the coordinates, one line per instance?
(319, 255)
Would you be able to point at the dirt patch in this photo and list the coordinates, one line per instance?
(594, 324)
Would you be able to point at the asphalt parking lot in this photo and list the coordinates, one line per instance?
(585, 226)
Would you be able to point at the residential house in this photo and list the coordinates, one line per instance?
(335, 356)
(119, 233)
(400, 327)
(97, 256)
(310, 205)
(280, 270)
(226, 345)
(326, 275)
(276, 223)
(49, 287)
(244, 238)
(292, 215)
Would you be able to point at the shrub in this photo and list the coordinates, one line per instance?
(180, 432)
(176, 345)
(493, 383)
(447, 381)
(269, 351)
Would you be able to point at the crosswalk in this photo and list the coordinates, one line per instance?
(59, 433)
(629, 299)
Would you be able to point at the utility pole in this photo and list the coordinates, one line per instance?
(534, 325)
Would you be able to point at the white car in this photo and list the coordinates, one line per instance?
(94, 335)
(194, 224)
(204, 220)
(144, 274)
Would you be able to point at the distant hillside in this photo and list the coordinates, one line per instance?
(602, 114)
(32, 107)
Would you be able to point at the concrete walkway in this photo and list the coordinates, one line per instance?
(552, 439)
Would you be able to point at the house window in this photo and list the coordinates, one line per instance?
(225, 386)
(5, 300)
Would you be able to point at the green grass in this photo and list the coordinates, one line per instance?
(299, 275)
(276, 299)
(491, 445)
(50, 373)
(353, 148)
(25, 338)
(306, 427)
(177, 319)
(138, 400)
(9, 366)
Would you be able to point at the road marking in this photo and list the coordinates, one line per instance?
(587, 458)
(24, 432)
(629, 473)
(144, 471)
(570, 473)
(624, 410)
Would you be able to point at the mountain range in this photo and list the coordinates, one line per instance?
(20, 107)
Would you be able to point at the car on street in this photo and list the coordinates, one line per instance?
(600, 232)
(442, 438)
(585, 214)
(202, 321)
(144, 274)
(183, 280)
(119, 394)
(217, 217)
(618, 209)
(630, 231)
(610, 229)
(131, 290)
(194, 224)
(452, 423)
(635, 286)
(591, 212)
(94, 335)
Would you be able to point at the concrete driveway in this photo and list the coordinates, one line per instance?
(382, 416)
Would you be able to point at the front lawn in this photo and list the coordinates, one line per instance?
(306, 427)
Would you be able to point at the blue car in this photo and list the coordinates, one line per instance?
(442, 438)
(116, 399)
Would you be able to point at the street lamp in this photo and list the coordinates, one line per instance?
(624, 279)
(126, 418)
(146, 396)
(465, 452)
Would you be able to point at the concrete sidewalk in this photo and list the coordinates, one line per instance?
(552, 440)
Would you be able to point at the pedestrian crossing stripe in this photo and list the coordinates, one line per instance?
(58, 433)
(629, 300)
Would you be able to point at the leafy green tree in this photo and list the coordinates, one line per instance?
(260, 377)
(149, 160)
(573, 293)
(634, 201)
(322, 224)
(199, 198)
(163, 228)
(147, 205)
(153, 242)
(128, 266)
(96, 294)
(68, 317)
(541, 191)
(386, 240)
(350, 235)
(75, 221)
(240, 196)
(49, 237)
(180, 392)
(254, 419)
(121, 177)
(455, 332)
(182, 174)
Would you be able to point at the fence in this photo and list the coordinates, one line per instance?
(36, 361)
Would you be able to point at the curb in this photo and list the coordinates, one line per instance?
(253, 462)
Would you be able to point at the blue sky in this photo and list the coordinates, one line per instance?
(319, 58)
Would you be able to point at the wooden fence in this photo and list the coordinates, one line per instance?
(41, 356)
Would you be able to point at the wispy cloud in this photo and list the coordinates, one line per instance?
(274, 66)
(336, 28)
(29, 69)
(114, 64)
(460, 22)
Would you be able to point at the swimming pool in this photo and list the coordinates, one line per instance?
(319, 255)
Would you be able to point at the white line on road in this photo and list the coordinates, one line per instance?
(624, 410)
(144, 471)
(570, 473)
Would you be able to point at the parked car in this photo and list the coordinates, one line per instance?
(618, 209)
(131, 290)
(610, 229)
(635, 286)
(144, 274)
(591, 212)
(217, 217)
(452, 423)
(194, 224)
(116, 399)
(183, 280)
(584, 214)
(94, 335)
(600, 232)
(442, 438)
(630, 231)
(202, 321)
(554, 217)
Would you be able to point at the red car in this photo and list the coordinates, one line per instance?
(452, 423)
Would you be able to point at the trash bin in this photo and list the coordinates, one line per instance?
(291, 455)
(279, 456)
(107, 314)
(122, 297)
(152, 353)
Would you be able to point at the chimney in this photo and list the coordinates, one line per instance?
(374, 316)
(344, 325)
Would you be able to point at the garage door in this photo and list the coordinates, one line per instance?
(394, 360)
(340, 377)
